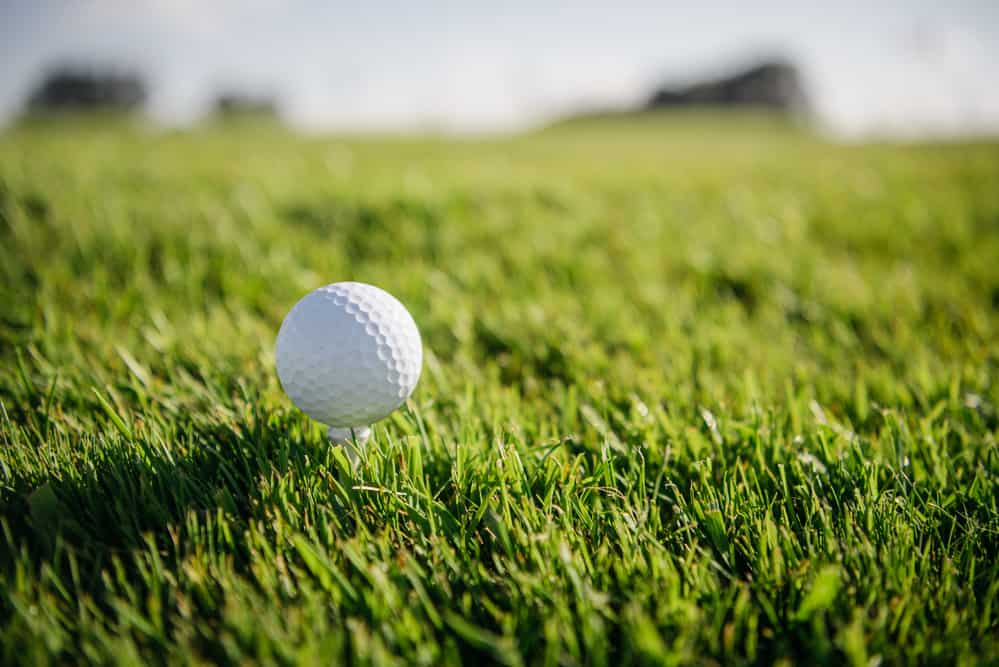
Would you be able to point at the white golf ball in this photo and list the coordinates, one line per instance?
(348, 354)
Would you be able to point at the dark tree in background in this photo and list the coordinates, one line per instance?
(79, 88)
(771, 85)
(235, 103)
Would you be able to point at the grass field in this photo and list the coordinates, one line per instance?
(695, 391)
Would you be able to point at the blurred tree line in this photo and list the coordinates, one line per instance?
(81, 88)
(775, 85)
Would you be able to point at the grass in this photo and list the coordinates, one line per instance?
(695, 392)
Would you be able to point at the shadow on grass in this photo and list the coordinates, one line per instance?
(127, 491)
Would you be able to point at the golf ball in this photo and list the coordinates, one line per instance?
(348, 354)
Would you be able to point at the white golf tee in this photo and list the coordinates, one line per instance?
(352, 439)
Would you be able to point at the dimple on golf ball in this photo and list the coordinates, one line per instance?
(348, 354)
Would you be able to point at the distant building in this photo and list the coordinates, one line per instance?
(772, 85)
(74, 88)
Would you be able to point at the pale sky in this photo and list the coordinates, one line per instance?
(897, 67)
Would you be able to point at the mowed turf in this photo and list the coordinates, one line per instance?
(696, 391)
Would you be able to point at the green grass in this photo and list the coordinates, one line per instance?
(695, 392)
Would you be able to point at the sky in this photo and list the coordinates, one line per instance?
(897, 67)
